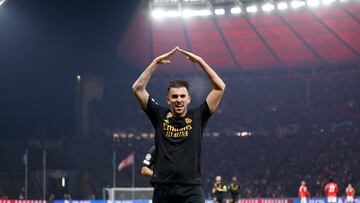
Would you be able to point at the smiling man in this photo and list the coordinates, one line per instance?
(178, 132)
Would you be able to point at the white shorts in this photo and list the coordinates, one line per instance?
(331, 199)
(303, 200)
(349, 198)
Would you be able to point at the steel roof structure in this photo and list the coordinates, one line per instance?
(316, 39)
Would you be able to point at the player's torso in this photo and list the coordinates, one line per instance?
(303, 191)
(350, 192)
(178, 143)
(331, 189)
(234, 187)
(219, 186)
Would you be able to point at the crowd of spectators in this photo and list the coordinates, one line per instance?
(299, 129)
(273, 165)
(266, 164)
(247, 103)
(284, 101)
(303, 128)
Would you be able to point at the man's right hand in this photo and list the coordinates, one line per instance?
(139, 86)
(165, 58)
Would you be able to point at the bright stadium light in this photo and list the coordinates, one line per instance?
(313, 3)
(190, 13)
(243, 134)
(297, 4)
(235, 10)
(63, 183)
(328, 2)
(282, 6)
(159, 14)
(267, 7)
(219, 11)
(1, 2)
(252, 9)
(172, 13)
(166, 1)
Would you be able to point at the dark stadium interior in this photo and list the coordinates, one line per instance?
(291, 110)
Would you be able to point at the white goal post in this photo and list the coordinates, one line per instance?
(128, 193)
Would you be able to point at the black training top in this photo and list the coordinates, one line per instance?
(149, 158)
(234, 188)
(219, 194)
(177, 143)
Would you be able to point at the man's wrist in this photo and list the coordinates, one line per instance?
(199, 60)
(155, 61)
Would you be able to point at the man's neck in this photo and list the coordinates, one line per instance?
(172, 114)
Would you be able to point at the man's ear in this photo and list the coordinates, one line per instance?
(168, 100)
(189, 99)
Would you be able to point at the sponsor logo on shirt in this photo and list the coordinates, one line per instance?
(175, 132)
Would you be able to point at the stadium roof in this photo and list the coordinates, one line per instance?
(317, 38)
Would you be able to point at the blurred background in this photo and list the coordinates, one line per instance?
(291, 110)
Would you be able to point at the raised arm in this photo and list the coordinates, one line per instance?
(139, 87)
(218, 85)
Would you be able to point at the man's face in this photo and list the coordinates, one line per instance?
(178, 100)
(218, 179)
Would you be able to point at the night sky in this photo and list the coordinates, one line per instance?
(44, 44)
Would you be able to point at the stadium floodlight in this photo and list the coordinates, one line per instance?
(63, 183)
(159, 14)
(190, 13)
(2, 1)
(313, 3)
(282, 6)
(243, 134)
(328, 2)
(235, 10)
(130, 135)
(267, 7)
(297, 4)
(219, 11)
(252, 9)
(166, 1)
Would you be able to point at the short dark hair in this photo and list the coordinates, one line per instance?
(178, 84)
